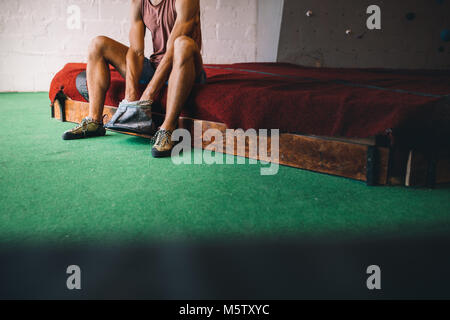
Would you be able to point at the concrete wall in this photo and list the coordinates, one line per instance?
(35, 41)
(229, 30)
(321, 39)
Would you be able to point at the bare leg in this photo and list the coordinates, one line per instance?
(102, 52)
(187, 64)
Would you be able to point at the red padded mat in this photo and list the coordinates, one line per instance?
(318, 101)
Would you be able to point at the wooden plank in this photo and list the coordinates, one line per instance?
(316, 154)
(364, 141)
(418, 168)
(325, 155)
(332, 157)
(77, 111)
(397, 167)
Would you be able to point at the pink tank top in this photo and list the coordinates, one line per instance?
(160, 20)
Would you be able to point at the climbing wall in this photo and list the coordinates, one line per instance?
(414, 34)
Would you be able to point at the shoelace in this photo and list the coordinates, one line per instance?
(84, 123)
(161, 137)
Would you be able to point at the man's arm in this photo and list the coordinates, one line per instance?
(135, 55)
(187, 20)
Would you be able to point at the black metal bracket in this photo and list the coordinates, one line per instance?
(61, 98)
(372, 166)
(52, 109)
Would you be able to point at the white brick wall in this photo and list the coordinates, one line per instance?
(35, 42)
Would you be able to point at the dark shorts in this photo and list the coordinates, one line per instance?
(149, 71)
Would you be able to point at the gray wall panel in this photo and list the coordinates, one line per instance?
(269, 22)
(401, 43)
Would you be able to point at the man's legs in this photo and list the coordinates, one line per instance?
(102, 52)
(187, 65)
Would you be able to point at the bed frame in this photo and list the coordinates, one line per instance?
(371, 160)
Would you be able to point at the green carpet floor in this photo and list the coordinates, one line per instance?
(111, 188)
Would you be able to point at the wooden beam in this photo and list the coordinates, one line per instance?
(333, 156)
(427, 169)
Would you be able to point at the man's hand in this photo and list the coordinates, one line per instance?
(188, 18)
(135, 55)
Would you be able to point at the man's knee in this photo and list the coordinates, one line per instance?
(97, 46)
(184, 49)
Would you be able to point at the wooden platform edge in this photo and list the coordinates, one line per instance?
(357, 159)
(427, 169)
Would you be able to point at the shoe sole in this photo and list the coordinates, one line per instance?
(161, 154)
(88, 135)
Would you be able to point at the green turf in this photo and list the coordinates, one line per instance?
(111, 188)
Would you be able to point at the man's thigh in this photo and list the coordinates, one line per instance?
(149, 70)
(115, 53)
